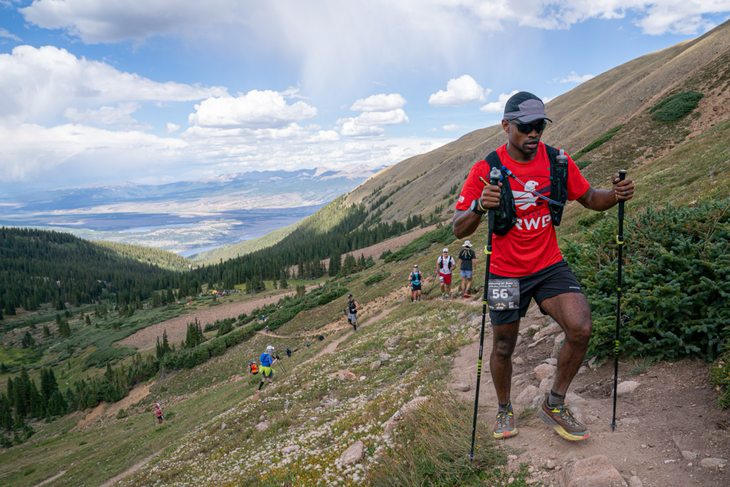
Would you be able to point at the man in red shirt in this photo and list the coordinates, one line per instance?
(528, 259)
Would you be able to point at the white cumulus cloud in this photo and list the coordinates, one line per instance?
(379, 103)
(256, 109)
(452, 127)
(172, 127)
(574, 77)
(459, 91)
(498, 106)
(370, 123)
(37, 84)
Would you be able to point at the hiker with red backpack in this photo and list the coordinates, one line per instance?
(444, 265)
(158, 413)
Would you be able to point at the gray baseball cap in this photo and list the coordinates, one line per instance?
(525, 108)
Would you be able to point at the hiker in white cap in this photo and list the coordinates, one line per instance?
(466, 264)
(266, 362)
(444, 266)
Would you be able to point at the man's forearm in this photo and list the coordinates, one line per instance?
(602, 200)
(465, 223)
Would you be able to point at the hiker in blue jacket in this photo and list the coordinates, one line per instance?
(266, 362)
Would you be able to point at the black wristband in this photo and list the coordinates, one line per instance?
(476, 207)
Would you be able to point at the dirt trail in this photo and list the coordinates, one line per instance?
(51, 479)
(146, 339)
(333, 345)
(131, 469)
(673, 410)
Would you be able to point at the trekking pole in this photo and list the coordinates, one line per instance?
(282, 364)
(620, 245)
(494, 177)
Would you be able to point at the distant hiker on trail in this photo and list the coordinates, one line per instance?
(526, 262)
(444, 265)
(466, 263)
(253, 368)
(267, 328)
(288, 353)
(158, 413)
(320, 337)
(415, 278)
(352, 311)
(266, 362)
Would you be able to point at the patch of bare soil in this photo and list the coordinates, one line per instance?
(96, 413)
(135, 395)
(100, 411)
(146, 339)
(673, 410)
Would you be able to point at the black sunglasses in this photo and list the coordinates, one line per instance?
(526, 128)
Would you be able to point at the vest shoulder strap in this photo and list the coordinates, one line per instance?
(558, 183)
(505, 215)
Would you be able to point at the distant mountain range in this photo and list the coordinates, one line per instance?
(185, 215)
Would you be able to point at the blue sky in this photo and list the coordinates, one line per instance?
(103, 91)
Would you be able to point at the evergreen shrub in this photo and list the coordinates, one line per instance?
(676, 107)
(375, 278)
(599, 141)
(676, 282)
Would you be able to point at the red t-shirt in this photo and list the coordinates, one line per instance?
(531, 245)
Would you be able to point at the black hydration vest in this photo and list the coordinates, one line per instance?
(506, 214)
(351, 306)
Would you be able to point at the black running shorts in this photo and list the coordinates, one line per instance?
(551, 281)
(415, 287)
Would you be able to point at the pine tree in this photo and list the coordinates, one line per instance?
(28, 341)
(46, 331)
(283, 284)
(335, 263)
(64, 329)
(87, 320)
(9, 309)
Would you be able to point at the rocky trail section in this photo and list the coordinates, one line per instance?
(669, 432)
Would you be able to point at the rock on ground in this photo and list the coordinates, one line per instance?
(713, 462)
(392, 341)
(375, 365)
(290, 449)
(526, 396)
(635, 482)
(262, 426)
(544, 371)
(689, 455)
(460, 386)
(594, 471)
(626, 387)
(401, 413)
(353, 454)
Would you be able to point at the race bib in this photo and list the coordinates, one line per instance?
(503, 294)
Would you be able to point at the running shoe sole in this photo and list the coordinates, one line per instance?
(505, 434)
(560, 430)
